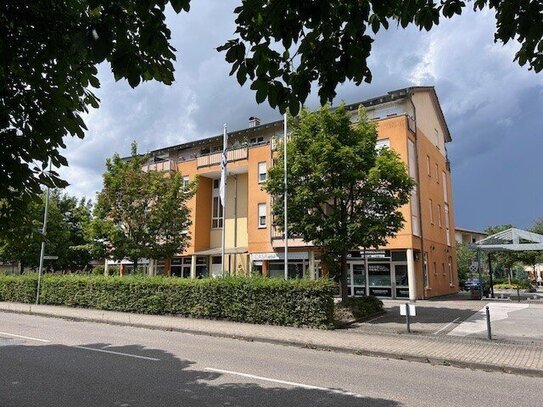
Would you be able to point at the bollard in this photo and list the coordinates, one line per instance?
(407, 319)
(488, 328)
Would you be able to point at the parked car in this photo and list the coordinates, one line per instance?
(473, 282)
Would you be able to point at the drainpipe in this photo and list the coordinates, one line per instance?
(235, 223)
(419, 193)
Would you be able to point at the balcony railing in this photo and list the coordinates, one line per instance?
(167, 165)
(215, 158)
(278, 238)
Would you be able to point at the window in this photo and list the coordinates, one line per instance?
(435, 268)
(426, 276)
(451, 282)
(439, 216)
(382, 143)
(217, 212)
(437, 173)
(186, 181)
(256, 140)
(262, 172)
(444, 182)
(216, 207)
(431, 205)
(447, 224)
(436, 135)
(261, 215)
(415, 224)
(428, 168)
(443, 268)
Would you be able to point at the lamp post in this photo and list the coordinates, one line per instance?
(44, 234)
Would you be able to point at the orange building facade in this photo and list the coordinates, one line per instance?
(420, 262)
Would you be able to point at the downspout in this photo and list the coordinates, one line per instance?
(235, 224)
(419, 195)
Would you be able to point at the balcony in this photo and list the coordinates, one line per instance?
(277, 238)
(215, 158)
(167, 165)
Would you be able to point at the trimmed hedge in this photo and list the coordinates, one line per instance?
(254, 300)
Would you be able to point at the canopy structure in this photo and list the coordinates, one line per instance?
(513, 240)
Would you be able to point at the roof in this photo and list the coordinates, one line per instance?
(389, 97)
(476, 232)
(512, 239)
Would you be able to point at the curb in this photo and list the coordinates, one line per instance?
(287, 342)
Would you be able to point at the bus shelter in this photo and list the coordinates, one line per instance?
(510, 240)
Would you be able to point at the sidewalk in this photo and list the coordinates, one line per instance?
(520, 358)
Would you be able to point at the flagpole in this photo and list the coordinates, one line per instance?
(223, 194)
(285, 192)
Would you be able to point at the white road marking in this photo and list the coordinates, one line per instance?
(114, 353)
(477, 322)
(25, 337)
(294, 384)
(446, 326)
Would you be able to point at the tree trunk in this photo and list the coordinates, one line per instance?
(343, 290)
(21, 267)
(135, 262)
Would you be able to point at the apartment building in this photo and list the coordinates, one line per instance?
(420, 262)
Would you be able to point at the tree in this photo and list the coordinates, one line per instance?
(533, 257)
(141, 214)
(50, 50)
(342, 193)
(66, 238)
(283, 47)
(464, 258)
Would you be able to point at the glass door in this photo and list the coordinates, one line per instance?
(357, 279)
(401, 280)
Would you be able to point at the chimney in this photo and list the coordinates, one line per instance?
(255, 121)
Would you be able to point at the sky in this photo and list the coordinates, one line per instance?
(493, 107)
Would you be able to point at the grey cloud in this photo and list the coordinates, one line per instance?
(493, 107)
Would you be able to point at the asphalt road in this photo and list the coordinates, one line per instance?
(53, 362)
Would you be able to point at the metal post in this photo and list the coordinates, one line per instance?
(480, 274)
(518, 293)
(488, 328)
(490, 274)
(285, 192)
(44, 234)
(407, 319)
(223, 236)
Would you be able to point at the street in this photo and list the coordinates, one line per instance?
(55, 362)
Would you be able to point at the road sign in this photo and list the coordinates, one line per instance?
(412, 310)
(473, 267)
(50, 257)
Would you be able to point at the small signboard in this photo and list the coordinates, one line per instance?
(50, 257)
(412, 310)
(473, 267)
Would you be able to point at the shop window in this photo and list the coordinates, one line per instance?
(399, 255)
(202, 270)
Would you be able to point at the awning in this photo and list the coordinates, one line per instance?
(514, 240)
(217, 251)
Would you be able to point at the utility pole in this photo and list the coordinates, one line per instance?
(285, 193)
(44, 234)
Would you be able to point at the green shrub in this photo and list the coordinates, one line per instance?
(522, 284)
(255, 300)
(358, 308)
